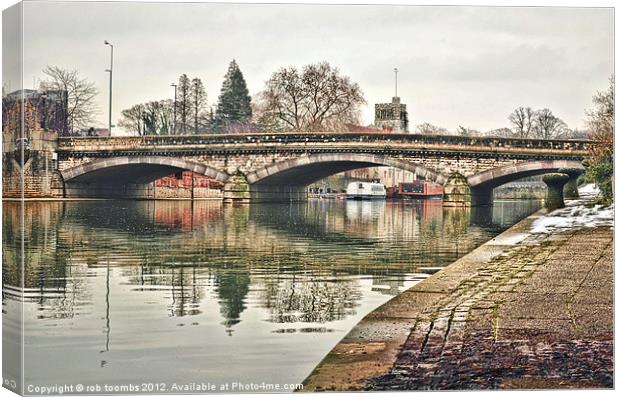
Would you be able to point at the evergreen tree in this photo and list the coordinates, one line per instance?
(234, 103)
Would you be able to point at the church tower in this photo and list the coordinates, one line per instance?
(392, 116)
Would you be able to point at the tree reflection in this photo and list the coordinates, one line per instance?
(310, 299)
(232, 288)
(186, 295)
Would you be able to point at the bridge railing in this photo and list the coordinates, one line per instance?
(323, 137)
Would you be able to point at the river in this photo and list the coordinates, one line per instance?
(123, 292)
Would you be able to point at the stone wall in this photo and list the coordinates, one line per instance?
(37, 174)
(140, 191)
(188, 185)
(521, 191)
(161, 192)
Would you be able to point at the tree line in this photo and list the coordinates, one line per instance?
(188, 114)
(525, 123)
(315, 98)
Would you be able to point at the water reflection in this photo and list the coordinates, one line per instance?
(180, 281)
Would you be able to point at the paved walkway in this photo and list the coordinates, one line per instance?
(539, 315)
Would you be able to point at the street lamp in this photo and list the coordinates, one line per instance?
(174, 117)
(110, 71)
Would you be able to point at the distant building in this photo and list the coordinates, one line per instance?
(46, 110)
(392, 116)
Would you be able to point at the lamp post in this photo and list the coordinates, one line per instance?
(174, 110)
(110, 71)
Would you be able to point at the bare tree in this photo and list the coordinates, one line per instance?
(151, 118)
(465, 131)
(183, 103)
(265, 120)
(133, 119)
(81, 107)
(600, 167)
(523, 121)
(547, 125)
(601, 117)
(165, 115)
(572, 134)
(158, 117)
(198, 99)
(316, 99)
(430, 129)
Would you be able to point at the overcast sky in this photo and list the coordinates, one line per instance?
(467, 66)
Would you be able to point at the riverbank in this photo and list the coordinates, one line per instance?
(530, 309)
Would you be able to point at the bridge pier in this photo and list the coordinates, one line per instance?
(555, 190)
(237, 189)
(456, 191)
(570, 189)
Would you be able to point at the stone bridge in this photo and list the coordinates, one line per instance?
(271, 167)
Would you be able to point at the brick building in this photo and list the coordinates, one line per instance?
(42, 110)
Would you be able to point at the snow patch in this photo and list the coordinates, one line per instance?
(589, 189)
(576, 214)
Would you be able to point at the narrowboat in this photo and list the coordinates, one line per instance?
(365, 191)
(419, 189)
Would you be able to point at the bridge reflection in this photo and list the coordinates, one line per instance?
(300, 263)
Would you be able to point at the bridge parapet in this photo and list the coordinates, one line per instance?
(324, 142)
(325, 137)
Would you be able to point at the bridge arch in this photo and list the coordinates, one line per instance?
(482, 184)
(498, 176)
(138, 169)
(304, 170)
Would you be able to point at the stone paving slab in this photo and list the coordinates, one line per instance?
(514, 313)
